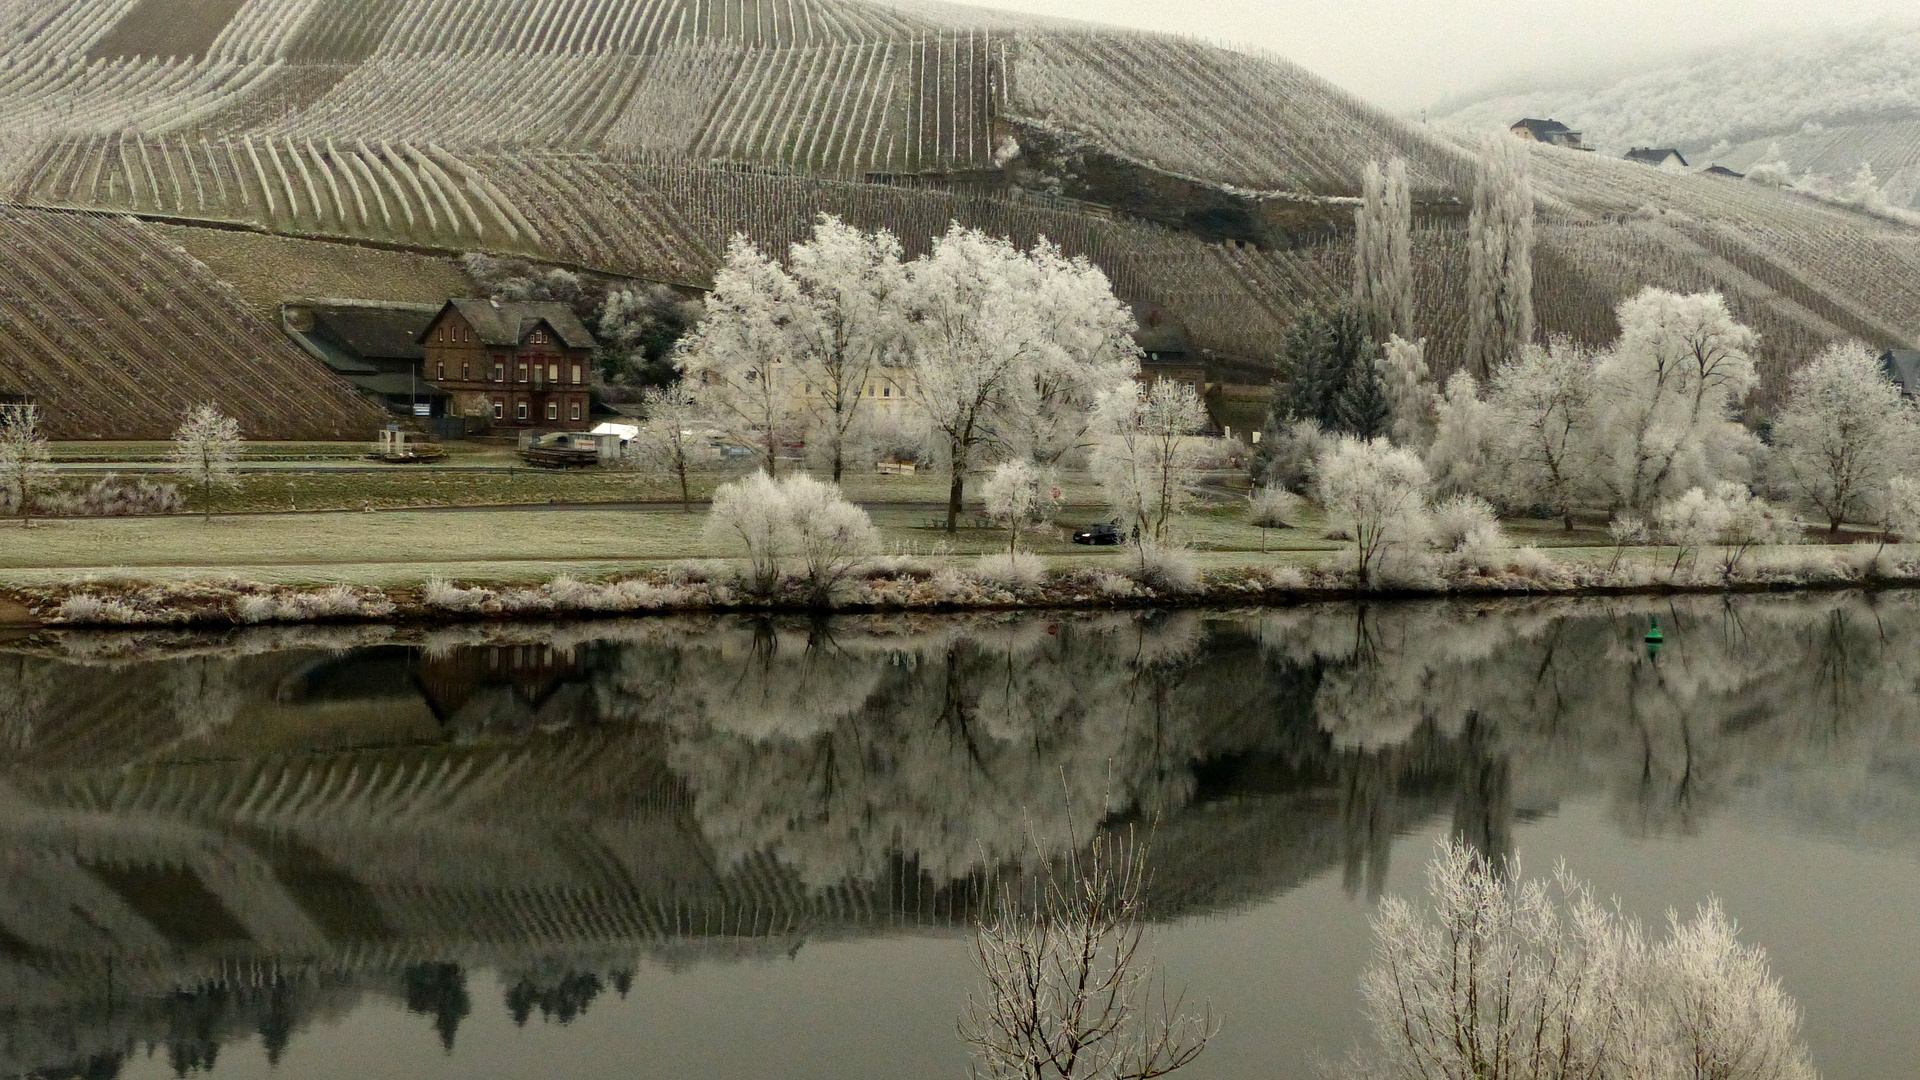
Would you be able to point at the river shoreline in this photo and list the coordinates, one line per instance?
(217, 604)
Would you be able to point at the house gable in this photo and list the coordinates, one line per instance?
(1649, 155)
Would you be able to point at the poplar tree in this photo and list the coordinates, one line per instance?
(1383, 251)
(1500, 245)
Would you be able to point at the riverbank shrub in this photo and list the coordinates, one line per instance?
(796, 526)
(1166, 568)
(1011, 570)
(1501, 975)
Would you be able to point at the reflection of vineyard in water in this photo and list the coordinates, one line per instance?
(204, 840)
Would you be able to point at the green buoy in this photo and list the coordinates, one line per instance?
(1654, 636)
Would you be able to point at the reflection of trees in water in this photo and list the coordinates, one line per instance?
(561, 1000)
(1746, 692)
(961, 747)
(721, 788)
(439, 991)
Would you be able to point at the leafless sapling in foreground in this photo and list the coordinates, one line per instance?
(23, 458)
(673, 437)
(206, 447)
(1071, 990)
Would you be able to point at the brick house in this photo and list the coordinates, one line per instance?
(513, 364)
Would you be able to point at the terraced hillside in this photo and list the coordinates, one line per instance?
(116, 333)
(634, 137)
(834, 87)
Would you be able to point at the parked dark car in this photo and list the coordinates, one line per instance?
(1105, 532)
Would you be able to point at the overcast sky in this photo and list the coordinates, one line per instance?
(1407, 54)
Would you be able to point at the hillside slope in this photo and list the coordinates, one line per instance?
(634, 137)
(1829, 102)
(116, 333)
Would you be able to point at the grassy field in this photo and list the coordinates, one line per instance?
(388, 547)
(316, 512)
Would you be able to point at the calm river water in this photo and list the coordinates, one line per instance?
(726, 848)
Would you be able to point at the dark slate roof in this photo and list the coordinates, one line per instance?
(396, 384)
(1647, 155)
(1722, 170)
(382, 333)
(507, 322)
(1542, 129)
(1903, 367)
(1159, 332)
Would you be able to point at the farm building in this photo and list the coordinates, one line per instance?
(1551, 132)
(1166, 349)
(1665, 157)
(1722, 170)
(1903, 367)
(512, 364)
(374, 346)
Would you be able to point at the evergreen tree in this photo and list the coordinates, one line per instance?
(1328, 375)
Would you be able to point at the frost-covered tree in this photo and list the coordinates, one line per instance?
(1899, 510)
(848, 326)
(796, 522)
(1019, 494)
(24, 455)
(635, 330)
(1844, 432)
(1009, 349)
(1751, 522)
(673, 437)
(635, 326)
(1070, 987)
(1409, 390)
(1329, 374)
(1666, 394)
(1689, 523)
(1503, 977)
(738, 361)
(1462, 459)
(1729, 516)
(828, 535)
(1500, 255)
(206, 447)
(1383, 251)
(1145, 457)
(1377, 492)
(752, 511)
(1541, 410)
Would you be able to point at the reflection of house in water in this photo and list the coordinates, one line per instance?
(382, 820)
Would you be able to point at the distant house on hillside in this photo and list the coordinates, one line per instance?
(1665, 158)
(373, 345)
(1903, 367)
(1166, 348)
(1551, 132)
(1722, 170)
(513, 363)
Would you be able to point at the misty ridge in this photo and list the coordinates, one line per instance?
(1818, 105)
